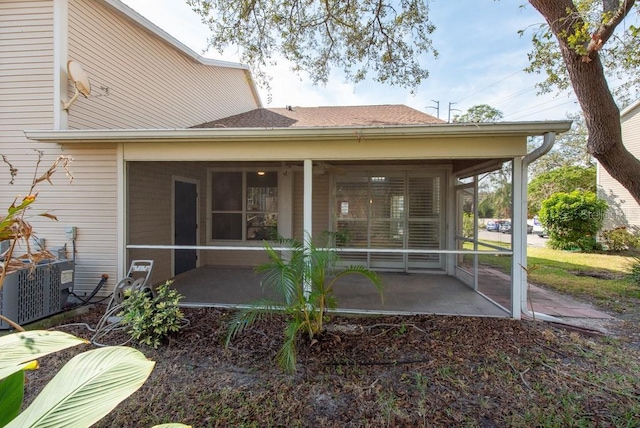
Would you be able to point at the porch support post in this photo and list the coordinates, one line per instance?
(307, 214)
(475, 232)
(121, 213)
(518, 239)
(451, 215)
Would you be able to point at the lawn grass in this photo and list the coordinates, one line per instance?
(603, 277)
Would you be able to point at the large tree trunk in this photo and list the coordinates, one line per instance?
(602, 116)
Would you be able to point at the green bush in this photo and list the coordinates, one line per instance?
(150, 320)
(468, 223)
(573, 219)
(635, 270)
(619, 239)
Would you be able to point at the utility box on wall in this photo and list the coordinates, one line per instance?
(32, 294)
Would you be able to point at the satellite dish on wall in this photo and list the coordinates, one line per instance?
(80, 80)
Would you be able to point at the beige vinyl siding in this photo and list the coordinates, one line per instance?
(623, 209)
(26, 92)
(88, 203)
(26, 102)
(150, 83)
(26, 72)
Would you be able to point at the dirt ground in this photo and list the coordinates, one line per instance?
(412, 371)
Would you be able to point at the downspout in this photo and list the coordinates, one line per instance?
(547, 144)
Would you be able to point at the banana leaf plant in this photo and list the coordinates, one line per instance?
(88, 387)
(303, 277)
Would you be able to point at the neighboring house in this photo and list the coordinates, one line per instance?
(177, 161)
(623, 208)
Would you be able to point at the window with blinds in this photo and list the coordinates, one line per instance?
(390, 210)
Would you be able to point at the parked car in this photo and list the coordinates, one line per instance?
(538, 228)
(492, 226)
(505, 227)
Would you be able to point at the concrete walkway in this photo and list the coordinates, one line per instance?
(546, 301)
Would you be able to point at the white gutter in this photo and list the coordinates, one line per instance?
(444, 130)
(547, 144)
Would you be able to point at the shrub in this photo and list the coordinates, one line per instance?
(468, 223)
(151, 320)
(619, 239)
(573, 219)
(635, 270)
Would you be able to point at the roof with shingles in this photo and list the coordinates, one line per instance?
(308, 117)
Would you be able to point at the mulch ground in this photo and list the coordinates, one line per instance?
(378, 371)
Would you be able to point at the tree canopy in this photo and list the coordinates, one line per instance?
(479, 113)
(582, 44)
(382, 38)
(563, 179)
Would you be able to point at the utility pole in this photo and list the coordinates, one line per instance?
(450, 110)
(437, 107)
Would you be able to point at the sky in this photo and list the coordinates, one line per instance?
(481, 61)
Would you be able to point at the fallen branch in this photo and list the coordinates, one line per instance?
(378, 363)
(524, 381)
(394, 326)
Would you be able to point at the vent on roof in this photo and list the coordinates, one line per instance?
(289, 108)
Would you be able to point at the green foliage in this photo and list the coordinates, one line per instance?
(303, 276)
(358, 37)
(620, 53)
(564, 179)
(88, 387)
(479, 113)
(468, 222)
(500, 197)
(149, 319)
(573, 219)
(485, 208)
(619, 239)
(635, 270)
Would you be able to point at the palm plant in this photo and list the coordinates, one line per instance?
(303, 276)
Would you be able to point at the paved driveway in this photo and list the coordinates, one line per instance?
(533, 240)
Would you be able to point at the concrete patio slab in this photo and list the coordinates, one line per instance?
(404, 293)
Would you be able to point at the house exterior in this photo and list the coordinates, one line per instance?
(177, 161)
(623, 209)
(141, 78)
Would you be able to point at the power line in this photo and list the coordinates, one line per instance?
(537, 111)
(489, 86)
(514, 95)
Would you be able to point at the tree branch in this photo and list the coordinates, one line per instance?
(605, 31)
